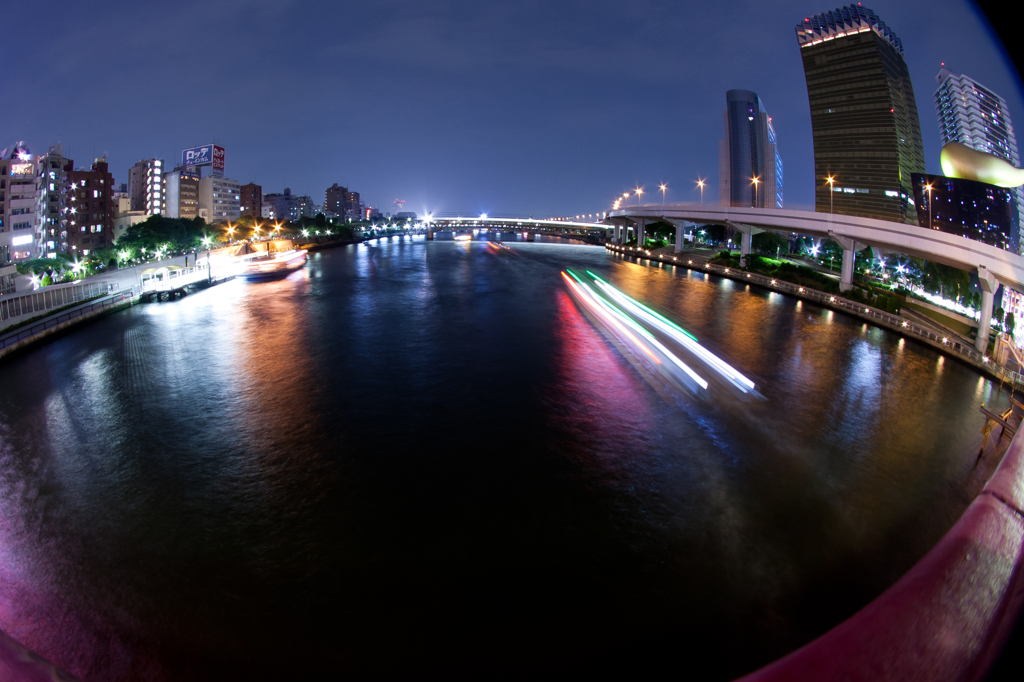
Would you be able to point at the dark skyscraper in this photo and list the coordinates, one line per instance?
(867, 135)
(968, 208)
(747, 152)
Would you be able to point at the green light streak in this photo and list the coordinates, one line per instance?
(638, 303)
(575, 277)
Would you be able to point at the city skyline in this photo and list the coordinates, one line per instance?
(439, 109)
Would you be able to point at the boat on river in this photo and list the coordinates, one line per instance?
(272, 267)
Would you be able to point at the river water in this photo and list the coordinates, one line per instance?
(421, 457)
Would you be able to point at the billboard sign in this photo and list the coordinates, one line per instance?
(197, 156)
(218, 161)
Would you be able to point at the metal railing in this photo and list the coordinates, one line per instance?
(170, 280)
(16, 336)
(875, 315)
(14, 306)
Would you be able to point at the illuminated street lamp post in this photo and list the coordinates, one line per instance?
(831, 190)
(639, 191)
(209, 270)
(700, 183)
(928, 188)
(755, 181)
(663, 187)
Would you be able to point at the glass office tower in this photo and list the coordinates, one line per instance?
(748, 151)
(867, 135)
(973, 115)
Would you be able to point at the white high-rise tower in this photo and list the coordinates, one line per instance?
(973, 115)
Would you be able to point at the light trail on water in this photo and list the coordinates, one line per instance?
(620, 321)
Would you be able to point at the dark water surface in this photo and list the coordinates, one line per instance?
(421, 457)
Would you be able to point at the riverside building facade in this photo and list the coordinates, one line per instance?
(748, 152)
(182, 187)
(864, 119)
(92, 209)
(18, 205)
(973, 115)
(219, 199)
(54, 192)
(251, 201)
(146, 186)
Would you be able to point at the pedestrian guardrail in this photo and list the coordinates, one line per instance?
(13, 306)
(16, 336)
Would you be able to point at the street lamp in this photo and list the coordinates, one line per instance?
(928, 188)
(209, 271)
(831, 190)
(663, 187)
(639, 191)
(755, 181)
(700, 183)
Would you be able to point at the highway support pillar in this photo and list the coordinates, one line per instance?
(989, 286)
(680, 226)
(849, 247)
(641, 234)
(747, 233)
(531, 236)
(430, 234)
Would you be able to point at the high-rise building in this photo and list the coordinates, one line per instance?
(146, 186)
(748, 152)
(285, 206)
(867, 135)
(219, 199)
(252, 200)
(968, 208)
(306, 207)
(973, 115)
(182, 187)
(53, 195)
(18, 204)
(334, 199)
(91, 199)
(340, 201)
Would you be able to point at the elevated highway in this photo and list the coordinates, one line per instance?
(993, 265)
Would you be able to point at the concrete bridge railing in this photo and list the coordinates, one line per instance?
(949, 617)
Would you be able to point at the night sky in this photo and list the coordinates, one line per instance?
(545, 108)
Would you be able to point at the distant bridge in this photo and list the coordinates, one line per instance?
(530, 225)
(993, 265)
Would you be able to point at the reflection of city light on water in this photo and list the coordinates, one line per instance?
(619, 318)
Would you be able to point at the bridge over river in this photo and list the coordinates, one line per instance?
(993, 265)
